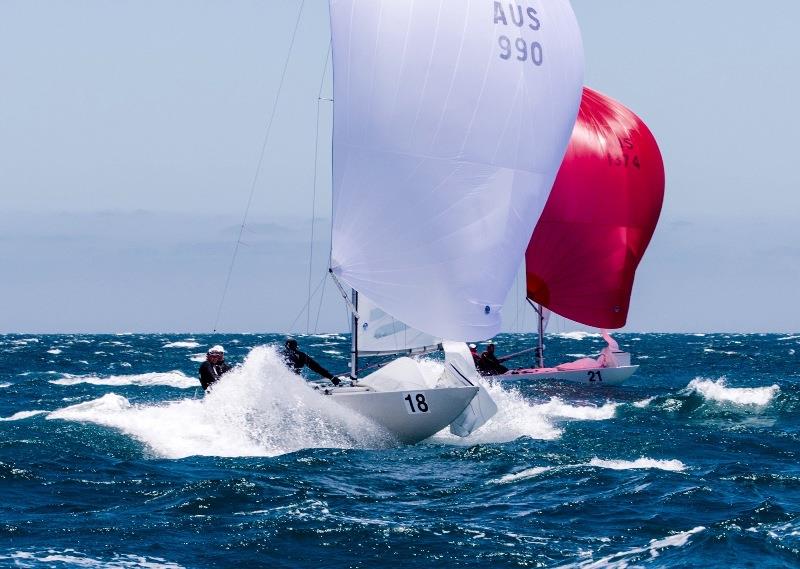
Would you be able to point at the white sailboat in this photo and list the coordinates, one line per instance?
(450, 118)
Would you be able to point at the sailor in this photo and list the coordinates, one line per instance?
(489, 364)
(297, 360)
(214, 367)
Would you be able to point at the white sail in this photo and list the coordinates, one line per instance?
(380, 333)
(451, 118)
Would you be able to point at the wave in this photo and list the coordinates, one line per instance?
(522, 475)
(623, 559)
(577, 335)
(168, 379)
(184, 344)
(257, 409)
(72, 558)
(54, 351)
(22, 415)
(4, 385)
(719, 392)
(559, 409)
(639, 464)
(643, 403)
(643, 463)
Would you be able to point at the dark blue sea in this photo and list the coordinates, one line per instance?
(110, 456)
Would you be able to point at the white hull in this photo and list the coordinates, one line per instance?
(590, 376)
(412, 415)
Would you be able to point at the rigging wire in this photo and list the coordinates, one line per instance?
(258, 167)
(314, 196)
(299, 314)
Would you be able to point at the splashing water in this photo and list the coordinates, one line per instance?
(257, 409)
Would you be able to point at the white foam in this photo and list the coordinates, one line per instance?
(577, 335)
(191, 344)
(559, 409)
(528, 473)
(72, 558)
(168, 379)
(653, 549)
(644, 402)
(257, 409)
(4, 385)
(516, 417)
(639, 464)
(785, 338)
(22, 415)
(199, 358)
(54, 351)
(718, 391)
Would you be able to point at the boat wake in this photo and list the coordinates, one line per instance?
(718, 391)
(518, 417)
(167, 379)
(258, 409)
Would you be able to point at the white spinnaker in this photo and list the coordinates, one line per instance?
(380, 333)
(444, 150)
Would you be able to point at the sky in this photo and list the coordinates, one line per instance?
(131, 131)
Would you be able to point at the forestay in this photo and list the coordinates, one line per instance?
(451, 118)
(380, 333)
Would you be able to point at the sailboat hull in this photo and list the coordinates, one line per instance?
(412, 415)
(591, 376)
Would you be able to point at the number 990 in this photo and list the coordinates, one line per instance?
(521, 49)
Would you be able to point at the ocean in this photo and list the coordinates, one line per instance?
(110, 456)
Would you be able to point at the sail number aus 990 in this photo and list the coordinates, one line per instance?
(416, 403)
(520, 50)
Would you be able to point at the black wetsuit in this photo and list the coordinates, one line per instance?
(297, 360)
(490, 365)
(210, 373)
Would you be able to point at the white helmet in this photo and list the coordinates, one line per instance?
(216, 350)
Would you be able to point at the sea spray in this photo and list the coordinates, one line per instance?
(258, 409)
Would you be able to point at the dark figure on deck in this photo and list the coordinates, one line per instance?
(214, 367)
(489, 364)
(297, 360)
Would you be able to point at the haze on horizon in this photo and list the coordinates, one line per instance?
(130, 134)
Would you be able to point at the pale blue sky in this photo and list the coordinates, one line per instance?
(130, 133)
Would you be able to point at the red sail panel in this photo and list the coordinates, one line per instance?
(600, 216)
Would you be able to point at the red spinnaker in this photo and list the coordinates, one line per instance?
(600, 216)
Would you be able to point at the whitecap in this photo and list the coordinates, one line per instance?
(643, 403)
(72, 558)
(257, 409)
(643, 463)
(199, 358)
(168, 379)
(54, 351)
(558, 408)
(22, 415)
(522, 475)
(718, 391)
(622, 559)
(785, 338)
(577, 335)
(4, 385)
(191, 344)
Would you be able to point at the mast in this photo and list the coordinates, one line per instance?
(354, 339)
(540, 347)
